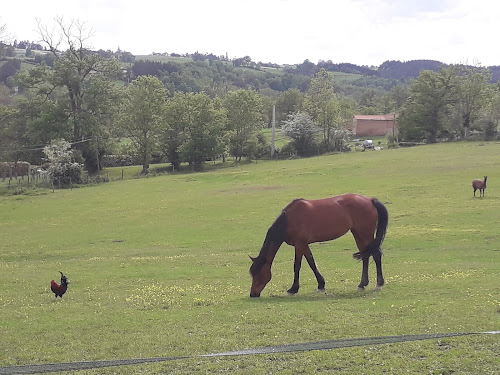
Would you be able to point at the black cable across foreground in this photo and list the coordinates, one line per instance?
(318, 345)
(84, 365)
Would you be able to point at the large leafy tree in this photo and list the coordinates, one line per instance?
(475, 94)
(8, 134)
(399, 95)
(76, 68)
(43, 121)
(369, 101)
(244, 119)
(195, 125)
(288, 103)
(28, 126)
(142, 116)
(427, 112)
(102, 100)
(321, 103)
(491, 118)
(173, 135)
(8, 69)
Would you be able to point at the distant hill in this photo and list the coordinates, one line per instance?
(495, 73)
(195, 72)
(404, 71)
(392, 70)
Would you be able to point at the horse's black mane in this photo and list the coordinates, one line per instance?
(275, 235)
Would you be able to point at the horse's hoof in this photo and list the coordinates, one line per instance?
(321, 290)
(290, 294)
(361, 289)
(378, 287)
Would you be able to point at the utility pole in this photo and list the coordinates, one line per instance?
(97, 156)
(273, 137)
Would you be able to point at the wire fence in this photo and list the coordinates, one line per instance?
(18, 185)
(319, 345)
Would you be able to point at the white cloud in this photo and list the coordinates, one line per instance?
(365, 32)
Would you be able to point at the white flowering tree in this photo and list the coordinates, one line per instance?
(62, 168)
(302, 129)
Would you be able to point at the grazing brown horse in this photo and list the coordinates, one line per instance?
(479, 184)
(303, 222)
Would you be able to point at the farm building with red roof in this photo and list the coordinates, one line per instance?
(374, 125)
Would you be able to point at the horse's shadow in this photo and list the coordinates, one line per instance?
(308, 297)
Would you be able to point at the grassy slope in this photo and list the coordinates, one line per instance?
(339, 76)
(159, 267)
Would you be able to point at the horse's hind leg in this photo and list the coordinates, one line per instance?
(377, 257)
(362, 244)
(364, 274)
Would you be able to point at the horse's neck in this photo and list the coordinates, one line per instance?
(272, 249)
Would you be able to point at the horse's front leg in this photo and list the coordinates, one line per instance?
(364, 274)
(296, 270)
(312, 264)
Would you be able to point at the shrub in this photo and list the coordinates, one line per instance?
(63, 170)
(302, 129)
(66, 173)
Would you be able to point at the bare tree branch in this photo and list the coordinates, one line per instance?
(73, 35)
(5, 37)
(47, 37)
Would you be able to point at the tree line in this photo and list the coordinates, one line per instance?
(449, 104)
(78, 99)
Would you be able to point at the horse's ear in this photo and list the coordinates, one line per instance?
(252, 258)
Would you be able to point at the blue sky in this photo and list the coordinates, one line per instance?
(363, 32)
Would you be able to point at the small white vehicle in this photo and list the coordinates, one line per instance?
(368, 143)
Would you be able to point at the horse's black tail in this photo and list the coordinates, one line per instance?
(383, 221)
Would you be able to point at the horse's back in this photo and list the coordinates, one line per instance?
(361, 210)
(329, 218)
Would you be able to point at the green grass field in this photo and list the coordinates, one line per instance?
(159, 267)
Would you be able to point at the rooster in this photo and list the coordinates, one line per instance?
(57, 289)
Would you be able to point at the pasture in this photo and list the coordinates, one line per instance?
(158, 267)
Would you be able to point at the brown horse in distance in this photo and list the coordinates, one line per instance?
(303, 222)
(479, 184)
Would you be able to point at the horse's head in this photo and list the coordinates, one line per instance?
(261, 275)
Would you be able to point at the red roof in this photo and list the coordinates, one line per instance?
(391, 116)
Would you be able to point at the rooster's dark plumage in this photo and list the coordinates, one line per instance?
(57, 289)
